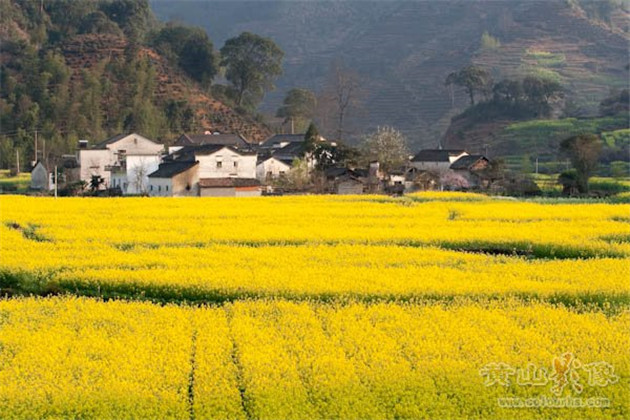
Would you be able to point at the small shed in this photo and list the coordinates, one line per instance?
(229, 187)
(40, 178)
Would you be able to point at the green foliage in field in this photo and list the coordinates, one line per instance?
(617, 138)
(16, 183)
(545, 135)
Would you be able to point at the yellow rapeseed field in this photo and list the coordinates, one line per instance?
(80, 358)
(316, 246)
(431, 306)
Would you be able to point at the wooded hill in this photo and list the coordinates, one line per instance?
(91, 69)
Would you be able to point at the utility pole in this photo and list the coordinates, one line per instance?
(56, 180)
(35, 145)
(17, 160)
(44, 154)
(536, 165)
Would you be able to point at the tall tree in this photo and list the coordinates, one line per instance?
(584, 151)
(311, 138)
(298, 106)
(252, 63)
(473, 78)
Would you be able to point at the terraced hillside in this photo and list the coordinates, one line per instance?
(404, 50)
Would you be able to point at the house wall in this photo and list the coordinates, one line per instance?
(186, 184)
(349, 187)
(39, 178)
(93, 162)
(453, 158)
(209, 168)
(161, 187)
(432, 166)
(135, 144)
(119, 179)
(138, 169)
(271, 165)
(247, 191)
(217, 192)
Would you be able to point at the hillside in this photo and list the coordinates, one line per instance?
(404, 50)
(87, 51)
(86, 69)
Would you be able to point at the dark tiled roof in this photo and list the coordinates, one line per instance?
(436, 155)
(466, 162)
(283, 138)
(228, 182)
(170, 169)
(362, 173)
(337, 172)
(210, 139)
(104, 143)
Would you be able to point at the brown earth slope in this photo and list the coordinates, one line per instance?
(86, 51)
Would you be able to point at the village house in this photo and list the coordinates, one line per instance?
(272, 167)
(436, 160)
(123, 161)
(40, 178)
(277, 154)
(229, 187)
(345, 181)
(178, 176)
(470, 167)
(278, 141)
(175, 179)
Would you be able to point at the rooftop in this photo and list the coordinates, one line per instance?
(228, 182)
(170, 169)
(436, 155)
(466, 162)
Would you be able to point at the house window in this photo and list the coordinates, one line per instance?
(160, 188)
(219, 165)
(281, 173)
(269, 174)
(235, 164)
(151, 187)
(166, 188)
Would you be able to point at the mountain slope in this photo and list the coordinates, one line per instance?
(404, 50)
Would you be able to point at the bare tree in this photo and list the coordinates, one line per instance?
(138, 176)
(342, 95)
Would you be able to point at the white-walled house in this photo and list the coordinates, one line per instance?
(272, 167)
(175, 179)
(132, 177)
(40, 178)
(436, 160)
(217, 161)
(126, 159)
(206, 170)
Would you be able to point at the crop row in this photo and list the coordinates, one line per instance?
(81, 358)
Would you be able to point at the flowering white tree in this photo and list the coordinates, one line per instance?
(386, 145)
(452, 180)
